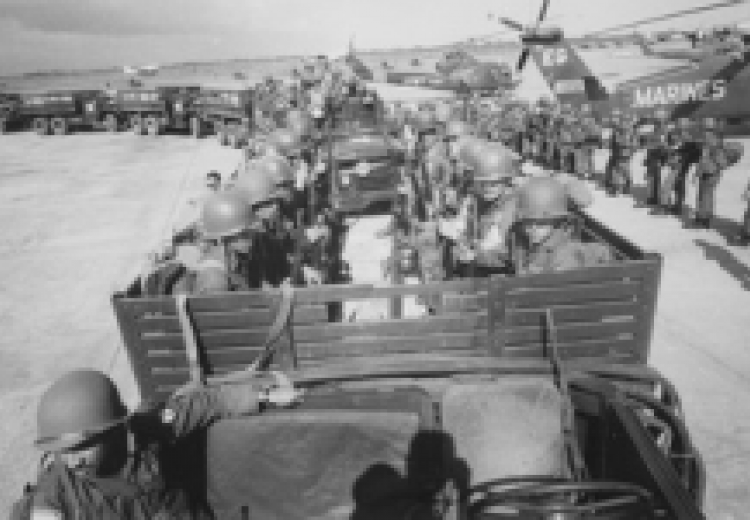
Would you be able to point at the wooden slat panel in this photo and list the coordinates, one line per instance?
(458, 303)
(381, 328)
(614, 349)
(591, 275)
(374, 346)
(569, 333)
(616, 291)
(240, 319)
(593, 313)
(207, 340)
(333, 293)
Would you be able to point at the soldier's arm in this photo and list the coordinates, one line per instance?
(197, 407)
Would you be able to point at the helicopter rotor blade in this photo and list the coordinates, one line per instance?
(522, 59)
(511, 23)
(668, 16)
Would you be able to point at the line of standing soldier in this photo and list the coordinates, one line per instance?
(564, 139)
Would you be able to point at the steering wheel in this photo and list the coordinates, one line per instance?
(559, 499)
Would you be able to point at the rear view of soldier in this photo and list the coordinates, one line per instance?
(104, 463)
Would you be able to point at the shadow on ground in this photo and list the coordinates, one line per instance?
(726, 261)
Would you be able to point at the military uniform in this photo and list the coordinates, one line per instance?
(591, 134)
(149, 486)
(688, 151)
(561, 252)
(623, 145)
(655, 160)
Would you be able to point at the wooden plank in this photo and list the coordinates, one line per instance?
(334, 293)
(207, 340)
(437, 343)
(457, 303)
(135, 350)
(621, 350)
(549, 297)
(570, 333)
(649, 297)
(381, 328)
(591, 313)
(631, 270)
(239, 319)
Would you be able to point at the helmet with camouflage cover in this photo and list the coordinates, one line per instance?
(77, 407)
(542, 198)
(469, 149)
(226, 213)
(287, 141)
(496, 162)
(456, 128)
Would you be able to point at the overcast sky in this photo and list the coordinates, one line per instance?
(52, 34)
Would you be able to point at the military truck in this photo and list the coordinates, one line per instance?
(228, 114)
(152, 111)
(521, 397)
(365, 171)
(59, 112)
(9, 116)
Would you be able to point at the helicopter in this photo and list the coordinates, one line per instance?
(715, 87)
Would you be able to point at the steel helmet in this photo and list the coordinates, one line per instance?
(299, 122)
(469, 148)
(542, 198)
(456, 128)
(286, 141)
(77, 407)
(275, 167)
(496, 162)
(226, 213)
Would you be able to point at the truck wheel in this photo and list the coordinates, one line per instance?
(136, 124)
(221, 134)
(59, 126)
(110, 123)
(153, 126)
(3, 126)
(41, 126)
(196, 127)
(233, 137)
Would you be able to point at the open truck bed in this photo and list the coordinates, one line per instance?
(439, 410)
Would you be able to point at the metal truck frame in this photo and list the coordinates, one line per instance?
(151, 111)
(59, 112)
(228, 114)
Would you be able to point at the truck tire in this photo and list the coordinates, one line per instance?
(153, 126)
(221, 133)
(41, 125)
(3, 126)
(196, 127)
(233, 136)
(136, 124)
(111, 124)
(59, 126)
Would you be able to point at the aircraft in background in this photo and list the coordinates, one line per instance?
(714, 87)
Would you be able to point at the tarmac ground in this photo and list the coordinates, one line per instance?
(80, 212)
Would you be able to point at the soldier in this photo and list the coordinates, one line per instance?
(102, 462)
(591, 136)
(656, 157)
(715, 158)
(544, 239)
(623, 145)
(688, 151)
(480, 232)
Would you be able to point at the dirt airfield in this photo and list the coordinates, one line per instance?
(80, 212)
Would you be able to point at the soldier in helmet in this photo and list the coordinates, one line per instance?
(544, 240)
(103, 462)
(714, 160)
(480, 233)
(655, 140)
(623, 145)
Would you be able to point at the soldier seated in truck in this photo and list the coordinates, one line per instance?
(543, 233)
(103, 462)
